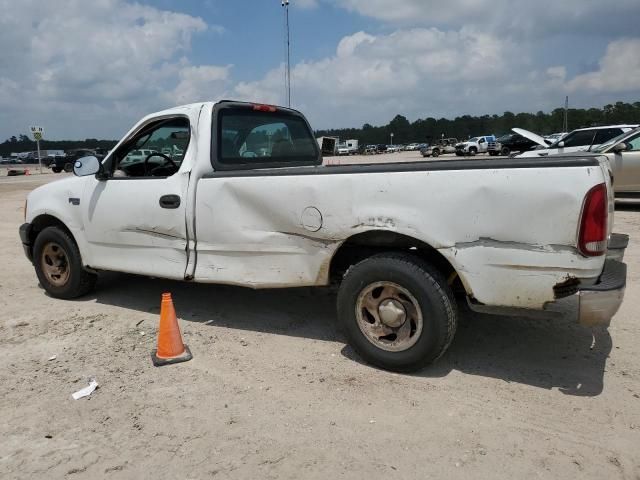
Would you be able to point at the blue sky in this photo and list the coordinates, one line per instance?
(91, 69)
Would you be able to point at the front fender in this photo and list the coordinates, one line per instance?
(60, 200)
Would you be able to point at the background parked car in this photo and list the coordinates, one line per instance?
(475, 145)
(582, 139)
(343, 150)
(444, 145)
(509, 143)
(66, 162)
(623, 153)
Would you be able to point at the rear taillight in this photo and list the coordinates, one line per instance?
(592, 239)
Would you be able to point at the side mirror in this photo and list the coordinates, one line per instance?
(86, 166)
(621, 147)
(561, 144)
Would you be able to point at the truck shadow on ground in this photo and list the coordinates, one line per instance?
(541, 353)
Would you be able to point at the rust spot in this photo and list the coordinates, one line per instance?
(566, 288)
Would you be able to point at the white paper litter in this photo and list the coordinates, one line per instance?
(86, 391)
(52, 357)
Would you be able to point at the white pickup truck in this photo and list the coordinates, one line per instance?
(250, 204)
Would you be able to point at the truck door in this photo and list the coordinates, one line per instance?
(134, 218)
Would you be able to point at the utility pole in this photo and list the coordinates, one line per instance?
(392, 139)
(287, 74)
(565, 125)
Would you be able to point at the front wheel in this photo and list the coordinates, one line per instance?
(397, 311)
(59, 266)
(473, 151)
(56, 169)
(435, 153)
(505, 151)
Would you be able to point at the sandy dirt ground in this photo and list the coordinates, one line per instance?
(273, 392)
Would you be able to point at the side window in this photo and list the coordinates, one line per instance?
(248, 137)
(635, 143)
(157, 151)
(606, 134)
(579, 139)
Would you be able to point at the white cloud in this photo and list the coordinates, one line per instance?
(619, 70)
(91, 68)
(63, 60)
(201, 83)
(304, 3)
(506, 16)
(421, 71)
(424, 72)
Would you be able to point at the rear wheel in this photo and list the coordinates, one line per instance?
(505, 151)
(59, 266)
(397, 311)
(435, 153)
(56, 169)
(68, 167)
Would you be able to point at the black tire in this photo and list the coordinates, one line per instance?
(79, 282)
(473, 151)
(56, 169)
(505, 151)
(434, 299)
(68, 167)
(435, 153)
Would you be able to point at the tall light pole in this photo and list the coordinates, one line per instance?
(287, 75)
(392, 139)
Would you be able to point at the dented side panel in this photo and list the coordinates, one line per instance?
(509, 233)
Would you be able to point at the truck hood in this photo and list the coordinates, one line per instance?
(531, 136)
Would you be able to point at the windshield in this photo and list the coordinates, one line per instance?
(472, 140)
(614, 140)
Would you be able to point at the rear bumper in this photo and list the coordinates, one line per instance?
(617, 245)
(600, 302)
(590, 305)
(25, 238)
(595, 305)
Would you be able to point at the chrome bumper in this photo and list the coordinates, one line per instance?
(595, 305)
(590, 305)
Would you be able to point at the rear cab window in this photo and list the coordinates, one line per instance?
(247, 136)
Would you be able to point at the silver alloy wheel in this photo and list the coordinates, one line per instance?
(55, 264)
(389, 316)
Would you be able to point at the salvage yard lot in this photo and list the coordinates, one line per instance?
(273, 392)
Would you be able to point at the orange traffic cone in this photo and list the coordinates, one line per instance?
(170, 347)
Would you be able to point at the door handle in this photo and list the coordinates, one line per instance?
(170, 201)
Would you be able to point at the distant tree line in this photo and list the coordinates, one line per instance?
(431, 129)
(23, 143)
(422, 130)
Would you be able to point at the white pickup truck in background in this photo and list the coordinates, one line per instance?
(249, 203)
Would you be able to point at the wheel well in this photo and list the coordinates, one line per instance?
(364, 245)
(43, 221)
